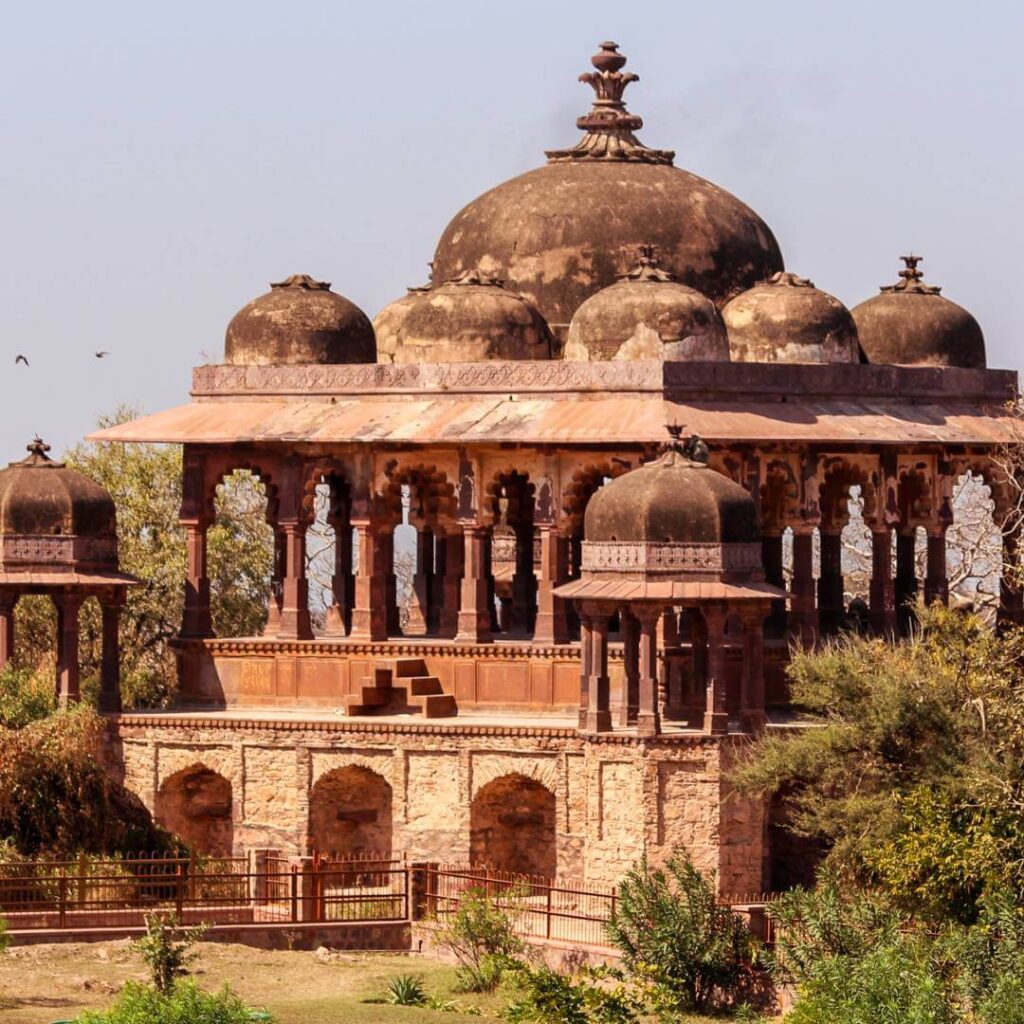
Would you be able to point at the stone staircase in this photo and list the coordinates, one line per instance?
(401, 686)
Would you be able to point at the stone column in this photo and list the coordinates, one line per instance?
(295, 622)
(474, 605)
(8, 601)
(110, 670)
(882, 595)
(552, 624)
(586, 666)
(339, 615)
(831, 610)
(599, 714)
(716, 710)
(419, 606)
(697, 697)
(68, 673)
(803, 619)
(648, 718)
(905, 587)
(752, 710)
(936, 580)
(369, 615)
(450, 558)
(273, 625)
(771, 553)
(630, 699)
(197, 621)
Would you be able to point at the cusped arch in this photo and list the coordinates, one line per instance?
(585, 482)
(432, 494)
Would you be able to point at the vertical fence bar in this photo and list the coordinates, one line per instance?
(179, 890)
(62, 898)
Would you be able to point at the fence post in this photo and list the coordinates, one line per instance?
(294, 895)
(179, 890)
(422, 890)
(259, 875)
(307, 876)
(548, 930)
(62, 897)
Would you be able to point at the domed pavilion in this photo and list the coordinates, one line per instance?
(505, 623)
(58, 537)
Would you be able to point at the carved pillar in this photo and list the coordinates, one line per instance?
(450, 559)
(752, 710)
(8, 600)
(586, 665)
(716, 711)
(771, 553)
(110, 669)
(419, 605)
(369, 615)
(630, 699)
(599, 715)
(905, 586)
(386, 565)
(881, 593)
(197, 620)
(68, 605)
(339, 614)
(273, 625)
(803, 619)
(552, 625)
(831, 609)
(697, 697)
(295, 622)
(475, 606)
(936, 580)
(648, 718)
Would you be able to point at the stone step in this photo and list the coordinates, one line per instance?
(405, 668)
(375, 696)
(435, 705)
(422, 686)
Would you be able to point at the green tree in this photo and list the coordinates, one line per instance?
(674, 934)
(168, 949)
(186, 1003)
(145, 482)
(911, 767)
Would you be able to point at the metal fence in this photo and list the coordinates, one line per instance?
(103, 893)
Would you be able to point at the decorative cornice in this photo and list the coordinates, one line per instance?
(669, 558)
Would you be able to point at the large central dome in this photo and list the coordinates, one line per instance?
(562, 232)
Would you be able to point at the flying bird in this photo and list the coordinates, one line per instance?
(19, 358)
(100, 355)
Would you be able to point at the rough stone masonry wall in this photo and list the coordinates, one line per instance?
(616, 797)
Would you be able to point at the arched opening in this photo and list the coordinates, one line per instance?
(856, 562)
(244, 578)
(512, 827)
(974, 554)
(350, 813)
(514, 554)
(195, 804)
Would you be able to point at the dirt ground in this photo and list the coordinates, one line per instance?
(40, 984)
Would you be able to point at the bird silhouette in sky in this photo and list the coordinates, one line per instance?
(19, 358)
(100, 355)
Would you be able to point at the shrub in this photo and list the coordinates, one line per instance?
(544, 996)
(25, 697)
(5, 939)
(167, 949)
(673, 934)
(406, 990)
(481, 936)
(185, 1003)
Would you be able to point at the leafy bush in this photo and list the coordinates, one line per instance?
(481, 936)
(406, 990)
(167, 949)
(673, 933)
(25, 696)
(544, 996)
(186, 1003)
(5, 939)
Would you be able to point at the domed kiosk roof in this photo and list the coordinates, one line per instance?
(300, 321)
(54, 519)
(787, 320)
(470, 318)
(566, 230)
(647, 314)
(911, 324)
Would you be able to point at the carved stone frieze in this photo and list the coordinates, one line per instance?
(23, 551)
(665, 558)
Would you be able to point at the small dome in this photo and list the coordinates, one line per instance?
(300, 321)
(40, 500)
(787, 320)
(911, 324)
(564, 231)
(677, 499)
(647, 314)
(469, 319)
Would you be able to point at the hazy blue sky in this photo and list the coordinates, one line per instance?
(159, 164)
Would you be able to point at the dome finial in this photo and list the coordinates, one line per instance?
(311, 284)
(37, 456)
(609, 126)
(648, 267)
(693, 449)
(911, 278)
